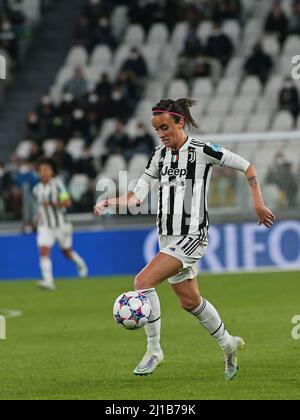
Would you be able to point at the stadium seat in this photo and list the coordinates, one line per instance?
(168, 64)
(137, 166)
(234, 69)
(121, 55)
(283, 121)
(227, 87)
(23, 149)
(265, 105)
(258, 123)
(271, 45)
(202, 88)
(285, 65)
(119, 20)
(64, 74)
(32, 10)
(98, 148)
(78, 186)
(251, 86)
(151, 53)
(233, 30)
(49, 147)
(75, 147)
(234, 123)
(177, 89)
(154, 91)
(244, 104)
(205, 30)
(273, 87)
(101, 54)
(77, 56)
(135, 35)
(219, 105)
(291, 46)
(144, 111)
(107, 128)
(210, 124)
(158, 34)
(113, 166)
(178, 36)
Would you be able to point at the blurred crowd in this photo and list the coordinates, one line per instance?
(81, 113)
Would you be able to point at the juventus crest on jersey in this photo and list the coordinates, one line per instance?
(184, 177)
(47, 197)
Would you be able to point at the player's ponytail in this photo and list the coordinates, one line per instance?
(178, 109)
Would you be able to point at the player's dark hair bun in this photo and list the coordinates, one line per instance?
(180, 106)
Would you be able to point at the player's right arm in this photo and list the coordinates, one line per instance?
(130, 199)
(137, 196)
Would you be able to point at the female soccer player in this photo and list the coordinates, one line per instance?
(183, 166)
(53, 200)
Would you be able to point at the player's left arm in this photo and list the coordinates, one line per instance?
(264, 214)
(217, 155)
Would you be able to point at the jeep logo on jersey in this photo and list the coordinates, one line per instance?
(174, 172)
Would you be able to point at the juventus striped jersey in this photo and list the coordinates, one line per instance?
(47, 196)
(184, 177)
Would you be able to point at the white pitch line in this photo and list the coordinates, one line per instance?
(10, 313)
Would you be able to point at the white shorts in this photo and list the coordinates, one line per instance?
(187, 249)
(47, 237)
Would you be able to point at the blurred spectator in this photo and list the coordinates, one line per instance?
(85, 164)
(219, 45)
(84, 32)
(98, 8)
(103, 33)
(25, 175)
(227, 9)
(143, 141)
(282, 176)
(103, 87)
(130, 86)
(201, 67)
(34, 129)
(166, 11)
(259, 64)
(63, 158)
(119, 106)
(77, 85)
(5, 185)
(117, 143)
(95, 113)
(79, 123)
(277, 22)
(184, 67)
(136, 64)
(294, 20)
(192, 43)
(289, 97)
(35, 153)
(16, 16)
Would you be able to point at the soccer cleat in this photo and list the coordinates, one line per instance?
(230, 354)
(149, 363)
(83, 271)
(46, 286)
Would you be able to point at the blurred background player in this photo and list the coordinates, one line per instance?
(183, 167)
(53, 200)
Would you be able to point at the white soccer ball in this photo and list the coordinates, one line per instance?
(132, 310)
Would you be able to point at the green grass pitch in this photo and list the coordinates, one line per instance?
(66, 345)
